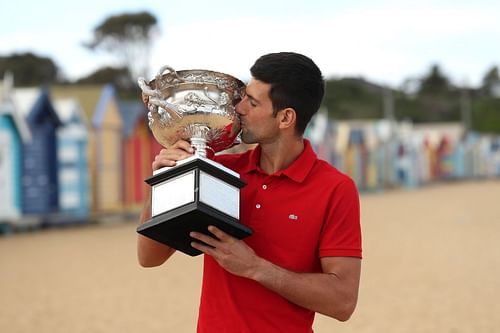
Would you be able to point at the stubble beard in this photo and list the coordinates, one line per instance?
(245, 135)
(248, 137)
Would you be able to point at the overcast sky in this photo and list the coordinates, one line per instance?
(382, 41)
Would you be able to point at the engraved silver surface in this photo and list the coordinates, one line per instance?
(193, 105)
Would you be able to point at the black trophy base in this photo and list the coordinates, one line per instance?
(173, 227)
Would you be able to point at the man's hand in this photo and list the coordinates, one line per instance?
(232, 254)
(168, 157)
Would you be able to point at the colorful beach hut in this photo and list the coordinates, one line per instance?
(139, 149)
(72, 141)
(14, 132)
(39, 163)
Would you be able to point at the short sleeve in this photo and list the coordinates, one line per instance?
(341, 232)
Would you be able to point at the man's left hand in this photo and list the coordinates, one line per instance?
(232, 254)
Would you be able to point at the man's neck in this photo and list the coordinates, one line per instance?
(280, 154)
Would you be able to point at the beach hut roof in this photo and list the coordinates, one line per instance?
(32, 101)
(70, 112)
(108, 94)
(87, 96)
(7, 106)
(6, 86)
(25, 98)
(131, 112)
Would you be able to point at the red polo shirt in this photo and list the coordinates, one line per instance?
(298, 215)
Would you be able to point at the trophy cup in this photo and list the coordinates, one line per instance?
(197, 106)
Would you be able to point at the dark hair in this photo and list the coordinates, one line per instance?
(296, 82)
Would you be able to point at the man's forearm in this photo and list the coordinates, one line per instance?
(326, 293)
(151, 253)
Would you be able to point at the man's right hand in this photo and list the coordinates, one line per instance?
(168, 157)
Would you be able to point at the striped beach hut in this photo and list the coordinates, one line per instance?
(72, 141)
(39, 165)
(14, 132)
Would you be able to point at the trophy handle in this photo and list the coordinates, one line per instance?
(171, 70)
(146, 89)
(164, 68)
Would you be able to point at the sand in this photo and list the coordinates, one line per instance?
(431, 264)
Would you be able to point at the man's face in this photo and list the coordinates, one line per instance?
(258, 125)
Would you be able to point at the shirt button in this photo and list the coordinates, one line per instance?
(257, 206)
(264, 187)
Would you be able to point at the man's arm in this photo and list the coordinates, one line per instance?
(151, 253)
(334, 292)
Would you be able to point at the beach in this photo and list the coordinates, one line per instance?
(431, 263)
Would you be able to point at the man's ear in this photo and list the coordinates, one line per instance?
(287, 118)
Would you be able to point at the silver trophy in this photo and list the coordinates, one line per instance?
(197, 106)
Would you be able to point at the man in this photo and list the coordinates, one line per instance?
(305, 253)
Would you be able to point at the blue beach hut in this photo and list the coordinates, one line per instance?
(73, 170)
(14, 133)
(39, 163)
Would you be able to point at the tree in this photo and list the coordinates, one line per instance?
(486, 115)
(435, 83)
(353, 98)
(116, 76)
(129, 37)
(437, 98)
(491, 82)
(29, 69)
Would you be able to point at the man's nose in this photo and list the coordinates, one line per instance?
(239, 107)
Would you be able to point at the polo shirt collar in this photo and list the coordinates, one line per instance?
(297, 171)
